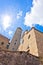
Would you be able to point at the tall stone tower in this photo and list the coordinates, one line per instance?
(32, 42)
(15, 42)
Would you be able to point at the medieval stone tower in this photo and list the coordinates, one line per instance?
(32, 42)
(15, 42)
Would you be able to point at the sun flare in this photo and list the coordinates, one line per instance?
(6, 21)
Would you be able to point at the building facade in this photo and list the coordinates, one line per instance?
(32, 42)
(4, 41)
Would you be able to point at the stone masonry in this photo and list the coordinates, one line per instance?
(17, 58)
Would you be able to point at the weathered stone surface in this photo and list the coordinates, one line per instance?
(17, 58)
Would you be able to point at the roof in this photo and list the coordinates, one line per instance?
(19, 28)
(4, 36)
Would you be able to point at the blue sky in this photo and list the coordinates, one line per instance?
(20, 13)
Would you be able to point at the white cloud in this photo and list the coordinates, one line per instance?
(6, 21)
(36, 14)
(10, 33)
(19, 14)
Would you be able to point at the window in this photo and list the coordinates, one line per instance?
(14, 43)
(8, 43)
(2, 43)
(7, 46)
(28, 36)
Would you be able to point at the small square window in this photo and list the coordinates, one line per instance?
(15, 42)
(2, 43)
(7, 46)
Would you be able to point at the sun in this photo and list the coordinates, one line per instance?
(6, 21)
(6, 18)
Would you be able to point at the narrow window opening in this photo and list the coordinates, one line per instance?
(28, 36)
(9, 43)
(15, 43)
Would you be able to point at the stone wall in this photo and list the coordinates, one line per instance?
(17, 58)
(3, 42)
(39, 40)
(29, 43)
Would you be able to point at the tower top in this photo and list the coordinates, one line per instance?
(19, 28)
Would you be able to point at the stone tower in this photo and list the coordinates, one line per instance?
(15, 42)
(32, 42)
